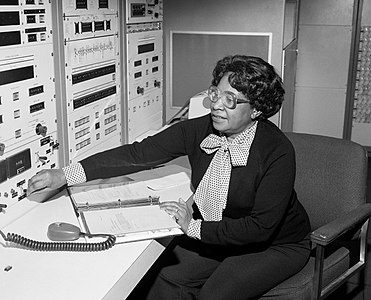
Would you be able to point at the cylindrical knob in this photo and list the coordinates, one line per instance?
(41, 130)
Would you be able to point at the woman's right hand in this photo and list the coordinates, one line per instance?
(46, 181)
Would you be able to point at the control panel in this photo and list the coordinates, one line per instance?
(28, 128)
(92, 76)
(144, 67)
(144, 11)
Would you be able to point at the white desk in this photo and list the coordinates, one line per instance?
(109, 274)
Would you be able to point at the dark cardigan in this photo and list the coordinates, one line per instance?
(262, 206)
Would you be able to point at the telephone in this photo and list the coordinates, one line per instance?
(62, 232)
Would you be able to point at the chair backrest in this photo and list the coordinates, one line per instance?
(331, 175)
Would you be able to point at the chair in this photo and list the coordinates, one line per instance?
(330, 182)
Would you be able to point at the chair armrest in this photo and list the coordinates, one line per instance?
(331, 231)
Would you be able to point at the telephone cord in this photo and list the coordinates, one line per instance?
(60, 246)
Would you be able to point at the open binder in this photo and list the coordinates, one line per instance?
(130, 209)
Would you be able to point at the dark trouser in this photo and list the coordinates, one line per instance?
(244, 276)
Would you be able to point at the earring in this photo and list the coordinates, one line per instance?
(255, 114)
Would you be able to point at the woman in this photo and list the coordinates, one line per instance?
(245, 230)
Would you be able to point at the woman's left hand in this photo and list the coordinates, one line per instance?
(180, 211)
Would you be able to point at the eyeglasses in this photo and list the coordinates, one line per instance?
(229, 99)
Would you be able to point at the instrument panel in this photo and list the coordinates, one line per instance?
(144, 67)
(28, 123)
(92, 77)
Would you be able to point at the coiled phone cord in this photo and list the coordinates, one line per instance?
(60, 246)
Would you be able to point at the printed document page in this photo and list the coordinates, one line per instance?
(135, 222)
(122, 221)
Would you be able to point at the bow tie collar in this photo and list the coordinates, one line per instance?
(238, 149)
(212, 192)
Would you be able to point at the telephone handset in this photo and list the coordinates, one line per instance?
(62, 232)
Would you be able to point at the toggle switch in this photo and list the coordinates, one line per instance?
(157, 83)
(56, 145)
(140, 90)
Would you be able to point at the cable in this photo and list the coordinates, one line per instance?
(60, 246)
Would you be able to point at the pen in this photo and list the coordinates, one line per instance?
(3, 205)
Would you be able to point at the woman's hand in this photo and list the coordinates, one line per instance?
(46, 181)
(182, 212)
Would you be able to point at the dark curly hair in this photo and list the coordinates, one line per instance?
(254, 78)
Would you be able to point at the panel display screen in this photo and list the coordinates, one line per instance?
(138, 10)
(10, 76)
(9, 18)
(10, 38)
(103, 3)
(19, 163)
(3, 171)
(36, 90)
(146, 48)
(9, 2)
(80, 77)
(81, 4)
(94, 97)
(36, 107)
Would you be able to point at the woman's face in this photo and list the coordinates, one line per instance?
(230, 122)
